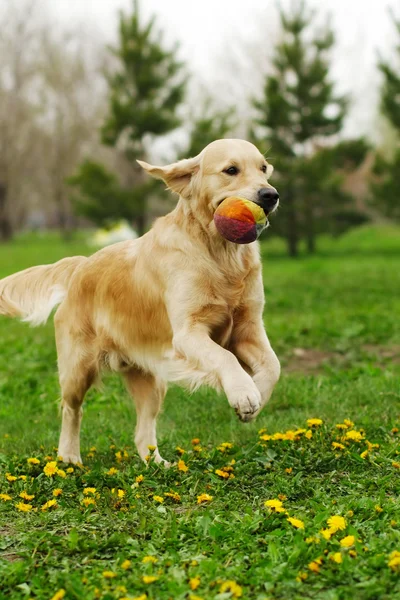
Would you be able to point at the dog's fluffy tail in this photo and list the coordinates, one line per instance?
(32, 294)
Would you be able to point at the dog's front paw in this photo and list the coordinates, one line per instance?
(246, 401)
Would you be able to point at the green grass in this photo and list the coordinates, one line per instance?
(344, 304)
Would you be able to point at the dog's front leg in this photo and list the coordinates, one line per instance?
(193, 345)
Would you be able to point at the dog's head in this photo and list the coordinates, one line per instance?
(224, 168)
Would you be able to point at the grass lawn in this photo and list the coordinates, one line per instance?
(114, 532)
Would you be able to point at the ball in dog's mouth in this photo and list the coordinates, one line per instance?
(240, 220)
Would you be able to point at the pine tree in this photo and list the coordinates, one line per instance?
(298, 112)
(386, 184)
(146, 89)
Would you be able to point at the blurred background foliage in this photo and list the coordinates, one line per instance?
(76, 114)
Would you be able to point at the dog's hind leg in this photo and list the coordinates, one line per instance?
(77, 372)
(148, 393)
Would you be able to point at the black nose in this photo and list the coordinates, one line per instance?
(268, 198)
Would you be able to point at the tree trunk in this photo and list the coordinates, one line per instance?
(6, 228)
(310, 233)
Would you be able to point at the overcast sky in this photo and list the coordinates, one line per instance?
(210, 32)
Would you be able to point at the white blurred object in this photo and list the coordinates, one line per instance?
(121, 232)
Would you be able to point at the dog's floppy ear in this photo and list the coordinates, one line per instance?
(177, 175)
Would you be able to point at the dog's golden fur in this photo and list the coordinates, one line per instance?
(178, 304)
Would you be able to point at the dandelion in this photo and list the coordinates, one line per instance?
(348, 423)
(149, 578)
(159, 499)
(204, 498)
(142, 597)
(194, 583)
(378, 508)
(352, 553)
(120, 456)
(296, 522)
(350, 513)
(195, 441)
(197, 448)
(151, 448)
(314, 422)
(289, 470)
(338, 446)
(347, 541)
(394, 560)
(264, 438)
(182, 466)
(33, 461)
(371, 446)
(57, 492)
(309, 434)
(336, 522)
(70, 470)
(274, 505)
(149, 559)
(22, 477)
(222, 474)
(353, 435)
(26, 496)
(302, 576)
(50, 469)
(59, 595)
(311, 540)
(5, 497)
(180, 450)
(121, 493)
(112, 471)
(61, 473)
(174, 495)
(336, 557)
(10, 477)
(49, 504)
(396, 465)
(315, 565)
(232, 587)
(126, 564)
(393, 523)
(89, 490)
(109, 574)
(139, 479)
(364, 454)
(23, 507)
(327, 533)
(88, 501)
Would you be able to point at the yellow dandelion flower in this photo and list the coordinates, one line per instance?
(10, 477)
(353, 435)
(22, 477)
(194, 583)
(336, 557)
(121, 493)
(222, 474)
(159, 499)
(347, 541)
(112, 471)
(109, 574)
(174, 495)
(273, 504)
(278, 436)
(338, 446)
(232, 587)
(195, 441)
(341, 426)
(180, 450)
(301, 576)
(264, 438)
(378, 508)
(197, 448)
(151, 448)
(308, 434)
(327, 533)
(290, 435)
(149, 559)
(295, 522)
(350, 513)
(336, 523)
(139, 479)
(88, 501)
(393, 523)
(61, 473)
(70, 470)
(49, 504)
(59, 595)
(289, 470)
(204, 498)
(89, 490)
(126, 564)
(48, 458)
(312, 540)
(5, 497)
(142, 597)
(315, 565)
(396, 465)
(314, 422)
(23, 507)
(364, 454)
(394, 560)
(348, 423)
(57, 492)
(352, 553)
(33, 461)
(149, 578)
(182, 466)
(50, 469)
(26, 496)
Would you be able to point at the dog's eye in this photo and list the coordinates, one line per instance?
(264, 168)
(231, 171)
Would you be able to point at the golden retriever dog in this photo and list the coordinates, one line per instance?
(180, 304)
